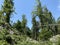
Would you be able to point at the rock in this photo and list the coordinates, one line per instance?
(31, 40)
(55, 39)
(11, 32)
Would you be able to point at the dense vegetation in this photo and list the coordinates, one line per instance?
(43, 32)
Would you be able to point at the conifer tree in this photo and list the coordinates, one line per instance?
(38, 11)
(35, 27)
(8, 9)
(18, 26)
(24, 23)
(48, 18)
(58, 22)
(0, 16)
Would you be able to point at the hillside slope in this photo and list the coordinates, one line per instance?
(10, 36)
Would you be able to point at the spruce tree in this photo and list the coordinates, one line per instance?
(8, 9)
(24, 23)
(58, 22)
(18, 26)
(35, 27)
(38, 11)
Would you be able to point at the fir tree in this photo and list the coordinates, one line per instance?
(23, 24)
(8, 9)
(35, 27)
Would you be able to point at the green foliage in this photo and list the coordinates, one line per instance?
(58, 43)
(8, 9)
(28, 32)
(3, 42)
(3, 32)
(35, 27)
(24, 23)
(45, 35)
(18, 26)
(58, 22)
(20, 33)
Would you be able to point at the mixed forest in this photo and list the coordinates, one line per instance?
(45, 31)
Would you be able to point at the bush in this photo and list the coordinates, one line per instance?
(45, 35)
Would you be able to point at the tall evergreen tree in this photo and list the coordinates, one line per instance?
(18, 26)
(8, 9)
(58, 22)
(2, 18)
(24, 23)
(45, 17)
(35, 27)
(39, 13)
(49, 20)
(46, 33)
